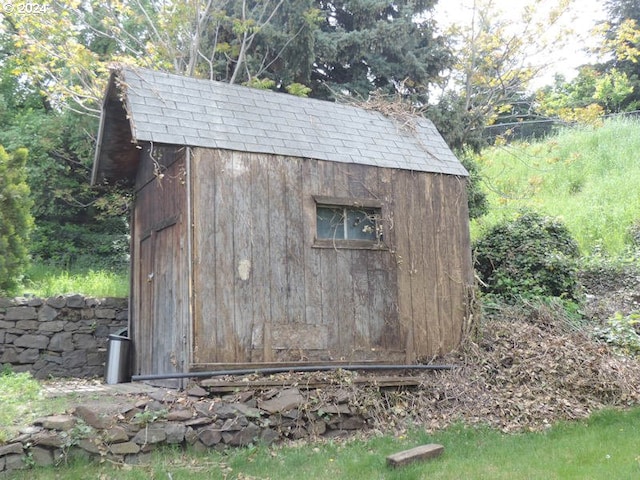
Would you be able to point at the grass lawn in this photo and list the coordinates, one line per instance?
(607, 446)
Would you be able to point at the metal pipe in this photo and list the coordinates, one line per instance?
(302, 368)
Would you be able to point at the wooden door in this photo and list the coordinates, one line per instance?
(160, 348)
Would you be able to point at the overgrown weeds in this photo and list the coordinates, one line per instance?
(587, 177)
(48, 280)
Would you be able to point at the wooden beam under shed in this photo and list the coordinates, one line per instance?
(221, 386)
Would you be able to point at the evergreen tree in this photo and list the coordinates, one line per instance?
(370, 45)
(15, 218)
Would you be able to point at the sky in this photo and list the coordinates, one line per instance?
(583, 16)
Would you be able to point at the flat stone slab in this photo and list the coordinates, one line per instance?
(58, 422)
(287, 400)
(91, 417)
(423, 452)
(12, 448)
(126, 448)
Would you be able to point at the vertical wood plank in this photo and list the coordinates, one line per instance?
(403, 256)
(144, 319)
(393, 337)
(368, 314)
(416, 204)
(223, 224)
(166, 351)
(312, 256)
(429, 270)
(204, 250)
(328, 268)
(443, 263)
(295, 265)
(461, 276)
(362, 312)
(277, 243)
(134, 292)
(260, 252)
(243, 237)
(465, 255)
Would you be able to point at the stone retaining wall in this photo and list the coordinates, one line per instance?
(63, 336)
(191, 419)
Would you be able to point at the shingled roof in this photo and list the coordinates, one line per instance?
(148, 106)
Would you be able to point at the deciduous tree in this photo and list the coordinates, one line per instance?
(497, 57)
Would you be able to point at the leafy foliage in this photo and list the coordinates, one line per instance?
(72, 220)
(587, 97)
(476, 197)
(621, 48)
(621, 332)
(528, 256)
(15, 218)
(611, 86)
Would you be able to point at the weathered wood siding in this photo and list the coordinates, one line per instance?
(159, 300)
(265, 294)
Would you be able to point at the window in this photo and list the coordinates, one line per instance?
(349, 225)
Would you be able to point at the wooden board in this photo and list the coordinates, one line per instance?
(423, 452)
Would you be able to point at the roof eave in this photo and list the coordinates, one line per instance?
(117, 154)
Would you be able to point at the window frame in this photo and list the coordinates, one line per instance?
(347, 243)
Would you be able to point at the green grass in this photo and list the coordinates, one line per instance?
(17, 391)
(587, 176)
(606, 446)
(47, 280)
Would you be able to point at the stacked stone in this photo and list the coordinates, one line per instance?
(170, 418)
(63, 336)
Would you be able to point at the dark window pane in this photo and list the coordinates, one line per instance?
(361, 224)
(330, 222)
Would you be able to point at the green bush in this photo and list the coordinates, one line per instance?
(530, 256)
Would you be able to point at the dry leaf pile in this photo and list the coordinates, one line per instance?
(519, 376)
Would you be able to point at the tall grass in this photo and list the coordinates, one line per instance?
(47, 280)
(587, 176)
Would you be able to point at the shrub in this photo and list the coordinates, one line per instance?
(530, 256)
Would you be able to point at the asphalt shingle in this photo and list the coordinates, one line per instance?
(171, 109)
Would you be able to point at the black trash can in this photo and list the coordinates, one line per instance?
(116, 370)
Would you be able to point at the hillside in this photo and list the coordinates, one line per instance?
(587, 176)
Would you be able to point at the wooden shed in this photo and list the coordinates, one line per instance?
(274, 230)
